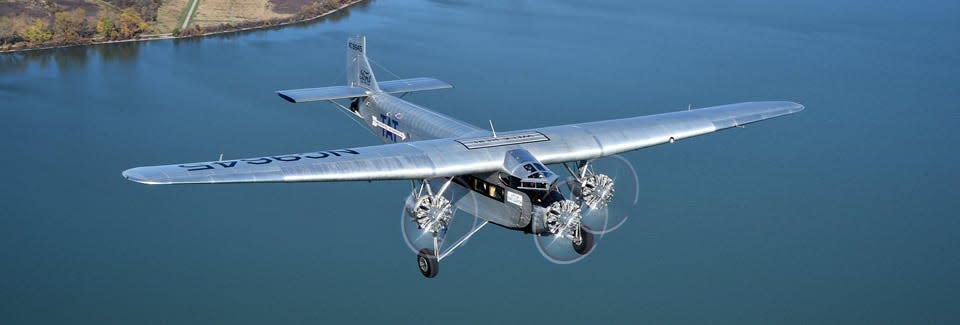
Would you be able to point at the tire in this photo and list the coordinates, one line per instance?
(586, 243)
(427, 262)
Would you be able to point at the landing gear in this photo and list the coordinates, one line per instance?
(586, 242)
(428, 263)
(425, 222)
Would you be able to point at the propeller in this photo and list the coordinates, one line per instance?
(565, 240)
(428, 219)
(608, 190)
(600, 195)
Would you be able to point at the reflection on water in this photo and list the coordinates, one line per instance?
(71, 58)
(17, 62)
(188, 40)
(119, 51)
(68, 58)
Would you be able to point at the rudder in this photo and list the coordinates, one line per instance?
(359, 73)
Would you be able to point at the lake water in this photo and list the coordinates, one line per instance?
(843, 213)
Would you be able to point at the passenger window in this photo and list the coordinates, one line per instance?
(489, 190)
(496, 192)
(477, 185)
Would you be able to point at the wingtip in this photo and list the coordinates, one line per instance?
(130, 175)
(790, 106)
(285, 97)
(797, 106)
(134, 175)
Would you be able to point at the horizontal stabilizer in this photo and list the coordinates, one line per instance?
(322, 93)
(341, 92)
(412, 84)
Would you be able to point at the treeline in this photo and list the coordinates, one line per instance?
(73, 27)
(68, 28)
(310, 11)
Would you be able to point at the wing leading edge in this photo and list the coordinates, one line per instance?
(455, 156)
(340, 92)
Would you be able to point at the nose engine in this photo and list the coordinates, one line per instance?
(568, 212)
(553, 213)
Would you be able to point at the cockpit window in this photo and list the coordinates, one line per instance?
(529, 168)
(527, 171)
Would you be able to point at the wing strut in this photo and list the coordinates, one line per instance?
(462, 240)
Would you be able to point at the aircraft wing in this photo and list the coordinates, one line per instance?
(460, 156)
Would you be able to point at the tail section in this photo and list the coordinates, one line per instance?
(360, 80)
(359, 73)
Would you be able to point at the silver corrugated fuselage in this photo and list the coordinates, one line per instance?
(416, 123)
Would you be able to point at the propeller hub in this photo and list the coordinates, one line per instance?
(432, 213)
(562, 218)
(597, 190)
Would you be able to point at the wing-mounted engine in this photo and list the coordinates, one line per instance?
(434, 222)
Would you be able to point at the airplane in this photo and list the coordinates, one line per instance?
(456, 168)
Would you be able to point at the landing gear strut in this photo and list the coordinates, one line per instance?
(585, 244)
(425, 222)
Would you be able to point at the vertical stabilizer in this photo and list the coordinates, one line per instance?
(359, 73)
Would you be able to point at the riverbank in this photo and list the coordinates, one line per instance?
(308, 13)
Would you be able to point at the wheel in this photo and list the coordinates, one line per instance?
(427, 261)
(586, 242)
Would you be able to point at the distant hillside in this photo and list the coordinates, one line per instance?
(49, 23)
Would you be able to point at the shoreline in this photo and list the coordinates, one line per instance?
(264, 24)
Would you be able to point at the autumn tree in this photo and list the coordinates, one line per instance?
(38, 32)
(71, 26)
(130, 24)
(106, 27)
(11, 29)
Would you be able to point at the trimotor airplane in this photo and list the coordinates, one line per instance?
(496, 177)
